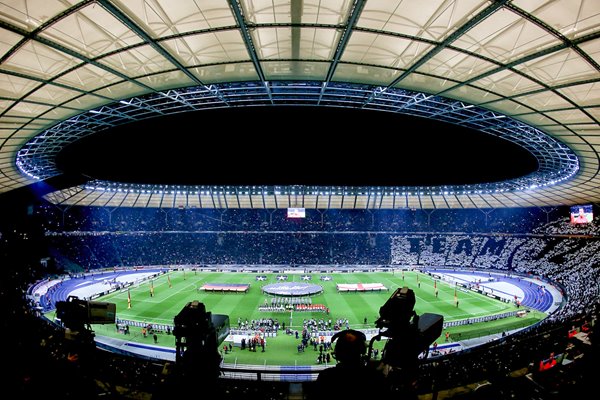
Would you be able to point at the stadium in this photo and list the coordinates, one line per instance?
(197, 197)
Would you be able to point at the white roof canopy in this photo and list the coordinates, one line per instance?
(535, 61)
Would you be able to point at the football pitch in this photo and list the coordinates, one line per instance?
(174, 290)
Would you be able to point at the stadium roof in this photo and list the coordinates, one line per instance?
(525, 70)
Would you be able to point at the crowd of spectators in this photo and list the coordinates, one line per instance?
(200, 248)
(516, 355)
(128, 219)
(572, 262)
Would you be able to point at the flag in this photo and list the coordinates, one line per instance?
(128, 298)
(455, 297)
(184, 274)
(151, 288)
(169, 279)
(434, 284)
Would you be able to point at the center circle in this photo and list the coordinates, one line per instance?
(292, 289)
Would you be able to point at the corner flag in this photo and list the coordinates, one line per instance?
(169, 279)
(151, 288)
(128, 298)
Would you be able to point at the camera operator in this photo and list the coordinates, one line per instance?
(353, 376)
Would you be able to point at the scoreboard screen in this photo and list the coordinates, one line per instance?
(296, 213)
(582, 214)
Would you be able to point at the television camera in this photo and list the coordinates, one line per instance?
(75, 313)
(409, 335)
(198, 334)
(77, 316)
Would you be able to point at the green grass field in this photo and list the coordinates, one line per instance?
(168, 301)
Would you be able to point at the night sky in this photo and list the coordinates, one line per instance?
(295, 146)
